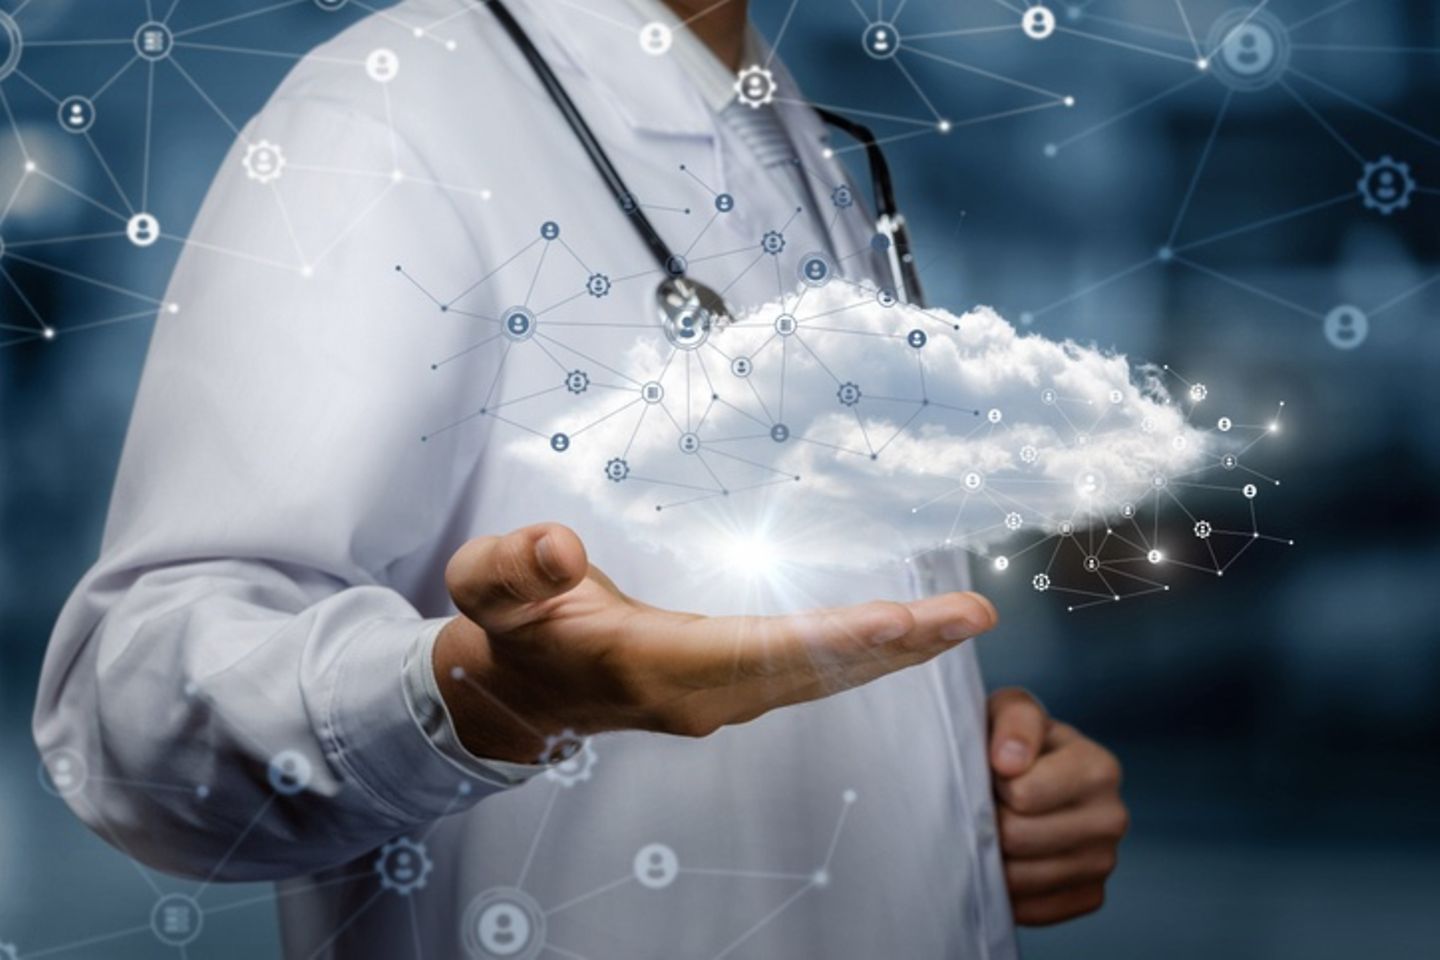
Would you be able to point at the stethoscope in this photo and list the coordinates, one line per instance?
(688, 309)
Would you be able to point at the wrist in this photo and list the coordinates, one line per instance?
(485, 710)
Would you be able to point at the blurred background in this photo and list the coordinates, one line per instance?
(1280, 728)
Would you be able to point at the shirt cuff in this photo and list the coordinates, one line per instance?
(428, 707)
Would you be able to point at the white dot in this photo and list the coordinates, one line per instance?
(451, 45)
(48, 333)
(397, 175)
(30, 166)
(848, 796)
(943, 126)
(307, 271)
(172, 308)
(1202, 64)
(827, 153)
(485, 194)
(419, 33)
(1069, 101)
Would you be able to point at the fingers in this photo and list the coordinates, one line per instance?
(1072, 769)
(1053, 834)
(798, 648)
(1036, 878)
(1059, 907)
(498, 581)
(1018, 726)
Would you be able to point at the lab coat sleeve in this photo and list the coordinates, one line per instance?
(274, 498)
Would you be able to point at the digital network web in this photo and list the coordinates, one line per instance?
(729, 415)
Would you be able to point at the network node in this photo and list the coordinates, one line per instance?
(724, 202)
(1117, 397)
(519, 324)
(886, 297)
(742, 366)
(176, 920)
(1069, 101)
(1127, 510)
(1154, 556)
(779, 433)
(571, 758)
(1224, 424)
(63, 772)
(143, 229)
(560, 442)
(1165, 254)
(1203, 63)
(652, 392)
(1092, 564)
(689, 443)
(1089, 484)
(48, 333)
(550, 230)
(1066, 528)
(403, 866)
(1158, 481)
(1029, 454)
(1038, 22)
(264, 161)
(1346, 327)
(676, 265)
(1386, 185)
(1041, 582)
(1048, 396)
(76, 114)
(289, 772)
(1249, 491)
(917, 338)
(1203, 529)
(504, 923)
(656, 38)
(973, 481)
(786, 324)
(820, 878)
(1002, 564)
(1013, 521)
(330, 6)
(154, 41)
(994, 415)
(1051, 150)
(617, 469)
(880, 40)
(598, 285)
(944, 126)
(842, 197)
(755, 86)
(1251, 49)
(815, 269)
(1229, 461)
(382, 65)
(656, 866)
(773, 242)
(1198, 392)
(577, 381)
(848, 394)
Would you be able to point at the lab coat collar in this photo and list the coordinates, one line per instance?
(676, 94)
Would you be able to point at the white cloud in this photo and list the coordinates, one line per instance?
(1049, 433)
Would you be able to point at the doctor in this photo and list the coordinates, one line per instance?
(311, 653)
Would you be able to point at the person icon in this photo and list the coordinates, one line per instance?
(1253, 49)
(560, 442)
(725, 202)
(382, 65)
(143, 230)
(689, 443)
(779, 433)
(656, 38)
(1346, 327)
(1038, 22)
(656, 866)
(917, 338)
(504, 922)
(519, 323)
(742, 366)
(881, 41)
(1250, 49)
(289, 772)
(77, 114)
(504, 930)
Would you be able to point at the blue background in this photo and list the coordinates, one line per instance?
(1279, 728)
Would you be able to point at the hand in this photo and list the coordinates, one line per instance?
(546, 643)
(1060, 814)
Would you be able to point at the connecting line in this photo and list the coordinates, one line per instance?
(87, 942)
(1128, 112)
(986, 73)
(1247, 287)
(478, 283)
(1266, 222)
(916, 87)
(188, 31)
(1200, 167)
(1373, 111)
(1324, 125)
(1127, 45)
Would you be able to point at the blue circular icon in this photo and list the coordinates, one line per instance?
(550, 230)
(886, 297)
(742, 366)
(879, 243)
(577, 381)
(779, 433)
(724, 203)
(848, 394)
(880, 40)
(675, 265)
(560, 442)
(519, 323)
(842, 197)
(598, 285)
(916, 339)
(773, 242)
(815, 269)
(689, 443)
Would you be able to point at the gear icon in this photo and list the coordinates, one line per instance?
(403, 866)
(571, 758)
(263, 161)
(755, 86)
(1386, 185)
(598, 285)
(617, 469)
(848, 394)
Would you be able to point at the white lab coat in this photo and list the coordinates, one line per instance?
(278, 534)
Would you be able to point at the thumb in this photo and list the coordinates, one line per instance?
(497, 581)
(1018, 724)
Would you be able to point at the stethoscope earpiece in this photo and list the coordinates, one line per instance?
(689, 311)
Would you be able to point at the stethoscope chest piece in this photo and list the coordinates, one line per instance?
(689, 311)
